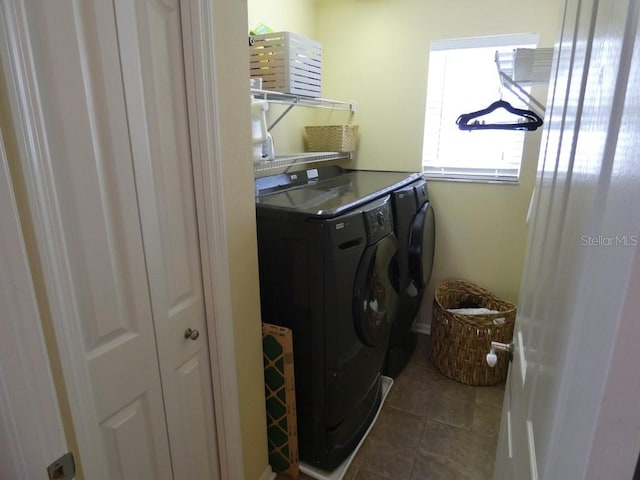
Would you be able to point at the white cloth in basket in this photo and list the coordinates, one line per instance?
(477, 311)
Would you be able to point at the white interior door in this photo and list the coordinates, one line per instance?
(111, 82)
(581, 251)
(122, 427)
(150, 39)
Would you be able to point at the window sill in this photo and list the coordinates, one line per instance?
(497, 181)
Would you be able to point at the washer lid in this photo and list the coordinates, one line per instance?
(328, 197)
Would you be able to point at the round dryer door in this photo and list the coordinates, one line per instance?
(374, 298)
(422, 241)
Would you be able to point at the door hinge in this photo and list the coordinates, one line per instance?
(63, 468)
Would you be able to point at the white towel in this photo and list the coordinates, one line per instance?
(478, 311)
(472, 311)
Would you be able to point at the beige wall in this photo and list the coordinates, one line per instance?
(235, 153)
(377, 52)
(284, 15)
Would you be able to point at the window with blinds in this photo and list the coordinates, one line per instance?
(463, 78)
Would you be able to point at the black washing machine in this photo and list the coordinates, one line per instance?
(415, 231)
(326, 247)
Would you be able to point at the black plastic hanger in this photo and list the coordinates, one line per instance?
(526, 119)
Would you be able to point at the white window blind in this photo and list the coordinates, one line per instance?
(463, 78)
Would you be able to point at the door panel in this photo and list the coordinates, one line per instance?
(538, 336)
(156, 105)
(555, 383)
(194, 387)
(96, 190)
(127, 435)
(114, 72)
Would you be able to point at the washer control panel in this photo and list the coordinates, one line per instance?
(379, 220)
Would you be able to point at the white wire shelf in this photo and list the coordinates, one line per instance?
(302, 101)
(287, 161)
(299, 101)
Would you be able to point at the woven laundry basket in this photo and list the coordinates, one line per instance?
(331, 138)
(460, 342)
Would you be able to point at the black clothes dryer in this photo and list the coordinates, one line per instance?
(326, 247)
(415, 230)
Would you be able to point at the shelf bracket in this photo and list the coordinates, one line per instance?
(294, 102)
(516, 89)
(520, 92)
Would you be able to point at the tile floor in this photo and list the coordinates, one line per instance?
(431, 428)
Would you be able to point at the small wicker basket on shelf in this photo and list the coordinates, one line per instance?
(461, 342)
(331, 138)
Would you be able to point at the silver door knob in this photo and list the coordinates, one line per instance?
(492, 357)
(191, 334)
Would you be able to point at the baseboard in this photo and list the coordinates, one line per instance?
(268, 474)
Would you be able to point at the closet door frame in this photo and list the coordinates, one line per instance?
(28, 402)
(200, 70)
